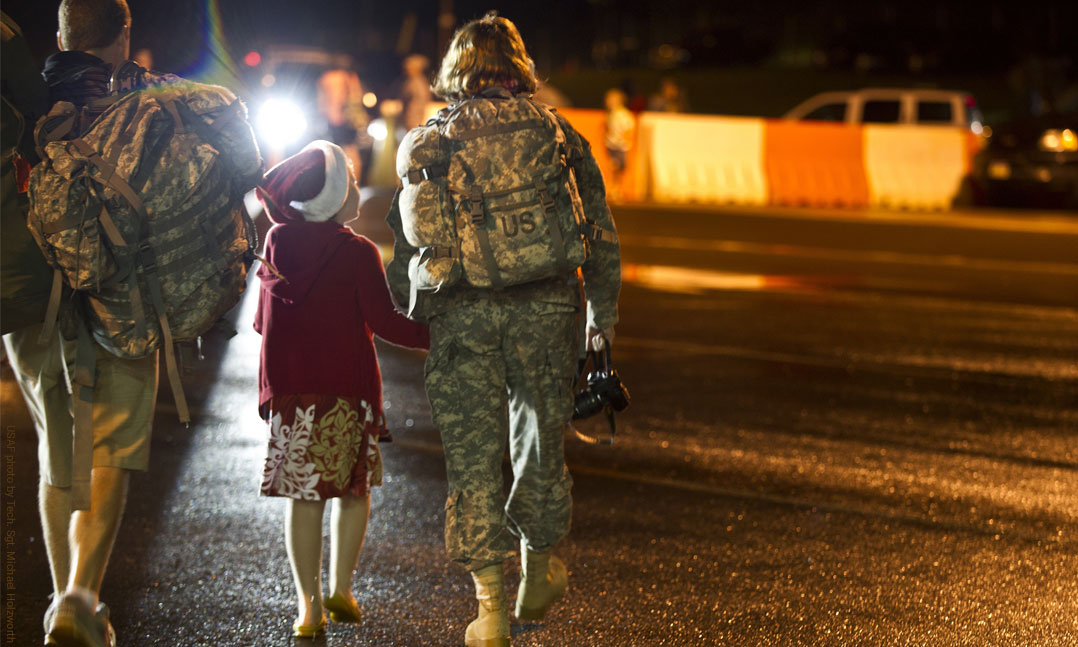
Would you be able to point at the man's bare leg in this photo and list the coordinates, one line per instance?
(93, 531)
(55, 507)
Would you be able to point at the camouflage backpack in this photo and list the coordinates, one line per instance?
(142, 215)
(489, 196)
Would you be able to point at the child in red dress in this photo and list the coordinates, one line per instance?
(323, 296)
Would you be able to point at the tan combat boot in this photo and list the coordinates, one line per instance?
(542, 582)
(491, 628)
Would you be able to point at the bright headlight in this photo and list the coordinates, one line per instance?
(280, 123)
(378, 129)
(1058, 141)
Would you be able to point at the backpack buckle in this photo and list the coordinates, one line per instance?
(475, 211)
(415, 176)
(545, 198)
(147, 259)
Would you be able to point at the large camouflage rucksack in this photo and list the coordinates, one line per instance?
(142, 215)
(489, 196)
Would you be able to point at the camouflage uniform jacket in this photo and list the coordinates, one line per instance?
(601, 271)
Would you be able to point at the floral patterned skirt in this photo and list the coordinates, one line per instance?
(320, 447)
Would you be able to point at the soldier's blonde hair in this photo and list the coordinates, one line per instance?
(485, 53)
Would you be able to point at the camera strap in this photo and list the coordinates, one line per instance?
(608, 415)
(607, 411)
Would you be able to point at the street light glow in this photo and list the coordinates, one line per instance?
(378, 130)
(280, 122)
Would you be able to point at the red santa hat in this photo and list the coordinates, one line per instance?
(310, 186)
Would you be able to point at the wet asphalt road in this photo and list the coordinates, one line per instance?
(847, 429)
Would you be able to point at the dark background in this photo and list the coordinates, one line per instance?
(734, 58)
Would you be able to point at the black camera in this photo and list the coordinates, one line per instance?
(604, 389)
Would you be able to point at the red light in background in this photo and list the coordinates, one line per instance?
(252, 59)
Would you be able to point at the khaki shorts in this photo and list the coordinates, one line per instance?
(124, 400)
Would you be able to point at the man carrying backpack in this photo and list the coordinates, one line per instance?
(501, 202)
(136, 205)
(93, 39)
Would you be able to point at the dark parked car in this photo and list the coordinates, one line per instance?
(1030, 162)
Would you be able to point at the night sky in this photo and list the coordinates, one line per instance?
(912, 37)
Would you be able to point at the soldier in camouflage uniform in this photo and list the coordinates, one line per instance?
(502, 366)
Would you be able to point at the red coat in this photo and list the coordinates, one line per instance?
(317, 324)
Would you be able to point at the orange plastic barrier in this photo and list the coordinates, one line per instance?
(815, 164)
(915, 167)
(591, 124)
(704, 159)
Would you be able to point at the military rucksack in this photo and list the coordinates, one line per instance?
(489, 196)
(142, 215)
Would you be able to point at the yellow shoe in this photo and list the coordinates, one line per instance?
(309, 631)
(342, 608)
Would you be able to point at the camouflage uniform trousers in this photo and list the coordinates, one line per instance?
(500, 373)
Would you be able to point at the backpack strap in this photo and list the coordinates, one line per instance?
(82, 448)
(109, 177)
(130, 277)
(549, 208)
(415, 176)
(52, 311)
(170, 108)
(596, 233)
(147, 259)
(61, 121)
(476, 217)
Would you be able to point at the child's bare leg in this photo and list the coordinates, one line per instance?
(348, 527)
(303, 539)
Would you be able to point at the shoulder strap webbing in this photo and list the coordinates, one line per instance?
(596, 233)
(149, 267)
(82, 448)
(52, 311)
(148, 262)
(476, 218)
(553, 226)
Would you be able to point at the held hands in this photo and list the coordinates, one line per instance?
(598, 339)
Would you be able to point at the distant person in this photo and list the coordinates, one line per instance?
(636, 102)
(415, 91)
(504, 333)
(323, 297)
(340, 101)
(618, 129)
(670, 98)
